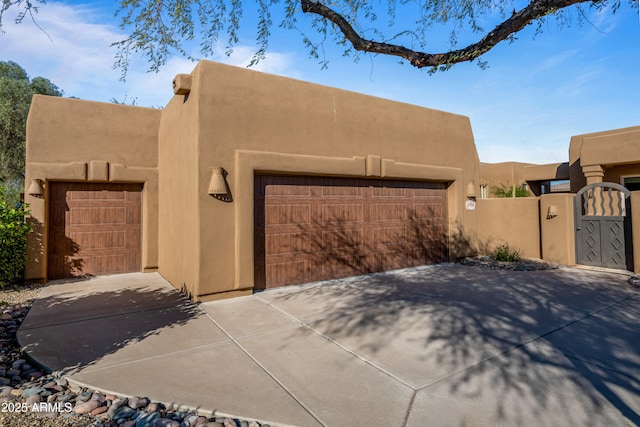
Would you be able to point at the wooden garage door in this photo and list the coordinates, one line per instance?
(316, 228)
(94, 229)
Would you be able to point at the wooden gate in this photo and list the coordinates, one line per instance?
(603, 226)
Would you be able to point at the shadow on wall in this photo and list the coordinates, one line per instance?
(62, 252)
(35, 244)
(335, 247)
(478, 335)
(343, 251)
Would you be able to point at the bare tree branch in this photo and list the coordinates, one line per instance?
(516, 22)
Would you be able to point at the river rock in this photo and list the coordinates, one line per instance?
(165, 422)
(136, 402)
(117, 404)
(100, 410)
(33, 390)
(31, 400)
(86, 407)
(146, 419)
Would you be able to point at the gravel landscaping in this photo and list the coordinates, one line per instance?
(525, 264)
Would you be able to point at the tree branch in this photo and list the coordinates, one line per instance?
(516, 22)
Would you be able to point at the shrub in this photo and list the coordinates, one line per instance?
(13, 241)
(507, 191)
(505, 253)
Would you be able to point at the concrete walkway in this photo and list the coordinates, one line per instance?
(443, 345)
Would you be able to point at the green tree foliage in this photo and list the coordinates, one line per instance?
(159, 28)
(503, 190)
(16, 91)
(13, 240)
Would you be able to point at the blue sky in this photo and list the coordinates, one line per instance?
(535, 94)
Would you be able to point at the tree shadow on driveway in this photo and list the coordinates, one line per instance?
(500, 344)
(78, 324)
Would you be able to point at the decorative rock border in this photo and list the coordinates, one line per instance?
(30, 397)
(525, 264)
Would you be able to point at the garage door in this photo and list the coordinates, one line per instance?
(317, 228)
(94, 229)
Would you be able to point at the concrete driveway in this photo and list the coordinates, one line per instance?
(443, 345)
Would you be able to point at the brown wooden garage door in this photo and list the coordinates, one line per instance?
(94, 229)
(317, 228)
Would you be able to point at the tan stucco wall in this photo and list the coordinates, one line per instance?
(74, 140)
(250, 121)
(548, 172)
(635, 229)
(514, 221)
(606, 149)
(179, 251)
(558, 230)
(615, 173)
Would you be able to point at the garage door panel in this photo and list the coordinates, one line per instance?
(389, 235)
(287, 214)
(99, 239)
(87, 194)
(337, 239)
(428, 210)
(342, 191)
(94, 229)
(287, 243)
(97, 216)
(352, 226)
(333, 213)
(388, 192)
(283, 273)
(388, 211)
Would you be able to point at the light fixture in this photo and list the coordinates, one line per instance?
(218, 184)
(471, 190)
(35, 188)
(552, 212)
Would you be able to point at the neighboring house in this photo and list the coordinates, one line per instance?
(247, 181)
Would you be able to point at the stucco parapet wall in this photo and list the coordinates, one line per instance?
(551, 171)
(614, 147)
(61, 130)
(91, 171)
(73, 171)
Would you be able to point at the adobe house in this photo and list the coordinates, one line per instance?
(594, 218)
(246, 181)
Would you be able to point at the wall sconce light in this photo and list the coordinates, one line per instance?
(471, 190)
(552, 212)
(35, 188)
(218, 186)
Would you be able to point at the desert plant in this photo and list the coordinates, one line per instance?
(13, 240)
(503, 190)
(506, 254)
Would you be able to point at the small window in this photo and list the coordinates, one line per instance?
(631, 183)
(559, 186)
(483, 191)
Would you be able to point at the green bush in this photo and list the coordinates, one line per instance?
(504, 253)
(13, 240)
(507, 191)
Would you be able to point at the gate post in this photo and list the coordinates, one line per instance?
(635, 229)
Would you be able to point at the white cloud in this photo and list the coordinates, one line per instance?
(75, 54)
